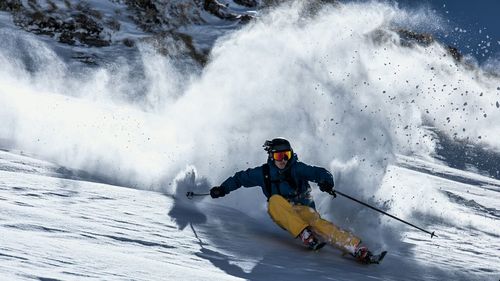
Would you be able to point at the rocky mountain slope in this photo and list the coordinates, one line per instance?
(123, 23)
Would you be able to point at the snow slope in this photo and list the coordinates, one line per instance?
(53, 228)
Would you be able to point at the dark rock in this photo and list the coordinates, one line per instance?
(128, 42)
(455, 53)
(10, 5)
(223, 12)
(67, 38)
(146, 5)
(201, 58)
(218, 9)
(409, 37)
(146, 14)
(88, 24)
(246, 18)
(247, 3)
(93, 41)
(113, 24)
(79, 26)
(89, 59)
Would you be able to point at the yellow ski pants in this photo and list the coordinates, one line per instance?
(294, 218)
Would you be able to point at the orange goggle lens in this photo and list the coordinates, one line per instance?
(279, 156)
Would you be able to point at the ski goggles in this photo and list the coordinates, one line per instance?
(280, 155)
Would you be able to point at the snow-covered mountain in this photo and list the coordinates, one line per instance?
(113, 110)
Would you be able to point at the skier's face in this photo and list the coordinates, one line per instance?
(281, 164)
(281, 158)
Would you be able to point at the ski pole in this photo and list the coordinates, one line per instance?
(378, 210)
(190, 194)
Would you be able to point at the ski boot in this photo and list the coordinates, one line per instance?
(364, 256)
(309, 239)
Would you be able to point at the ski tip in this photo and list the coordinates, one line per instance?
(381, 257)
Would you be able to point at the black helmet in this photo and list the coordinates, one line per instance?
(277, 144)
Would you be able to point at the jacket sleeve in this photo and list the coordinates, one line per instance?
(248, 178)
(314, 174)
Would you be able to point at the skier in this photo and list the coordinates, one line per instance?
(285, 183)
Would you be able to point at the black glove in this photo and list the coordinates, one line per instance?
(327, 187)
(217, 191)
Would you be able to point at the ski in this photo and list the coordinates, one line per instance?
(376, 259)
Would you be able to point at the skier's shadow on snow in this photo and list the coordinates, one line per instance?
(234, 245)
(219, 260)
(187, 212)
(184, 213)
(222, 261)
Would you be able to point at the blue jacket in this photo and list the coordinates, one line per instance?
(299, 172)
